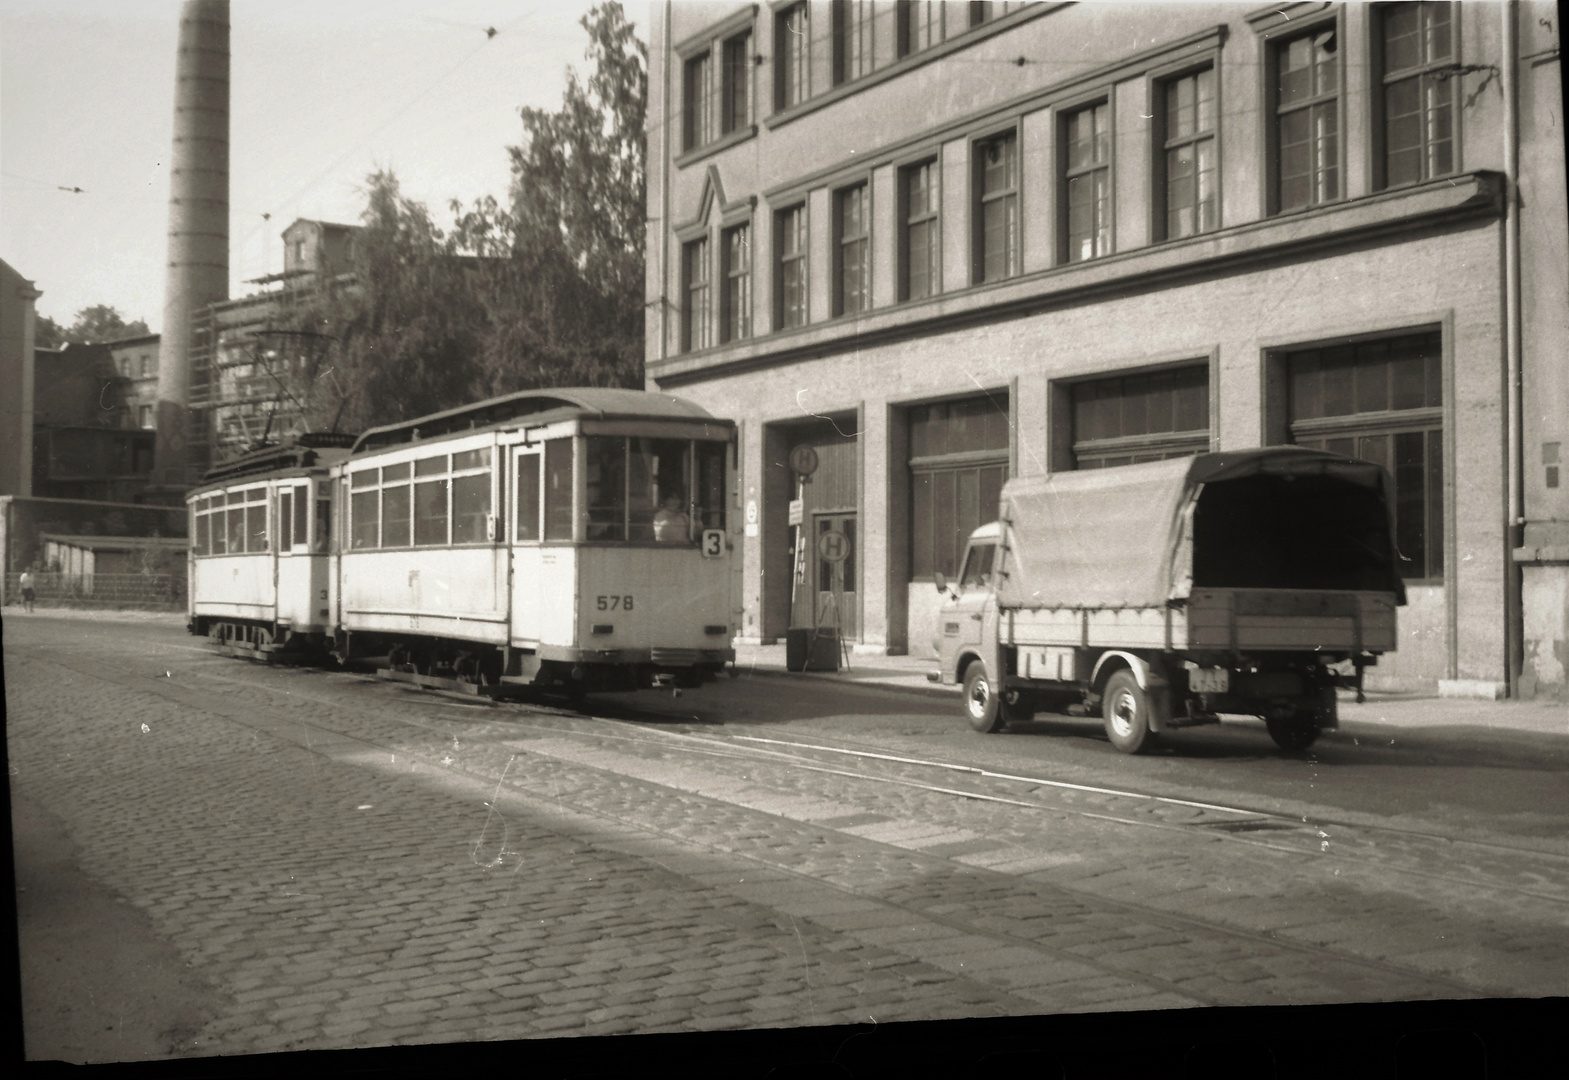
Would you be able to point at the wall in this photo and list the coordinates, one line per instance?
(16, 382)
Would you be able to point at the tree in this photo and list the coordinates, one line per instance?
(547, 291)
(93, 325)
(101, 323)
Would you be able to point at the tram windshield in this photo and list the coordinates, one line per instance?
(653, 490)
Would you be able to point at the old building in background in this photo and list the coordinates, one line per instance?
(250, 365)
(86, 440)
(941, 244)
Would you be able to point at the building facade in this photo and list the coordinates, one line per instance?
(944, 244)
(17, 320)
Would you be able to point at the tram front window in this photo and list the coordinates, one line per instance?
(633, 481)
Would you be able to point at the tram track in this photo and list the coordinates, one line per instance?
(495, 728)
(1309, 831)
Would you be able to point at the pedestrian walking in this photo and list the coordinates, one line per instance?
(27, 591)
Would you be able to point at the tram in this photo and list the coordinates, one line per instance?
(260, 569)
(571, 540)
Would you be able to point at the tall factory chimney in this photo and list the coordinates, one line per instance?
(198, 226)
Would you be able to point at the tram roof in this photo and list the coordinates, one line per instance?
(539, 406)
(305, 451)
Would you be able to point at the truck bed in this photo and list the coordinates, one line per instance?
(1235, 620)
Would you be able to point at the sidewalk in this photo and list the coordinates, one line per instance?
(908, 673)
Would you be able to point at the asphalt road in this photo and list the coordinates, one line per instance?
(215, 857)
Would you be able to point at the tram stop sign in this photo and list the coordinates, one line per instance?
(833, 546)
(803, 460)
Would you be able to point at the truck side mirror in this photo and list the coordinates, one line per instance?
(941, 581)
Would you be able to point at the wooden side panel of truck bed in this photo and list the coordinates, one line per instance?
(1291, 619)
(1218, 619)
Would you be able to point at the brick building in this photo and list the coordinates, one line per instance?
(944, 244)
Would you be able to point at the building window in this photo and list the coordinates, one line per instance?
(852, 39)
(1307, 120)
(1382, 401)
(791, 50)
(1418, 114)
(918, 276)
(852, 229)
(145, 417)
(997, 216)
(958, 462)
(791, 246)
(147, 365)
(1149, 416)
(697, 102)
(737, 111)
(735, 317)
(1086, 140)
(696, 305)
(1192, 205)
(919, 25)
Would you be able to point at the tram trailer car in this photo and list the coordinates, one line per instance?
(1168, 592)
(572, 540)
(260, 568)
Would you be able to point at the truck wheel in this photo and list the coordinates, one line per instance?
(1293, 731)
(1126, 709)
(982, 703)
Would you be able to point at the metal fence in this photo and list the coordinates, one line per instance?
(151, 592)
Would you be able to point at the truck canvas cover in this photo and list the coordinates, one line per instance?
(1123, 537)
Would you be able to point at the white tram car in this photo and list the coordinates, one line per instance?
(567, 539)
(260, 571)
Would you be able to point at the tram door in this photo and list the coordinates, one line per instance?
(833, 556)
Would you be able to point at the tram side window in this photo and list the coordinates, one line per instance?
(302, 496)
(430, 502)
(396, 512)
(558, 489)
(470, 496)
(528, 497)
(217, 534)
(324, 515)
(285, 519)
(365, 510)
(199, 527)
(710, 494)
(256, 519)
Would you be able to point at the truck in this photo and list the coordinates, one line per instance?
(1166, 593)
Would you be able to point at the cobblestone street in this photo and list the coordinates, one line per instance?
(332, 862)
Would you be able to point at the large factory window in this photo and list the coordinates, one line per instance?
(1382, 401)
(958, 462)
(1146, 416)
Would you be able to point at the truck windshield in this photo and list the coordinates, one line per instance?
(978, 567)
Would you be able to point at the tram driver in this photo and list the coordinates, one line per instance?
(671, 525)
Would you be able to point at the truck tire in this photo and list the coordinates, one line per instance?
(982, 702)
(1125, 706)
(1293, 731)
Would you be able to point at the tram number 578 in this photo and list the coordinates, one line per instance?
(615, 603)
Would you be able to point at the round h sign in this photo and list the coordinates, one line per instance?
(803, 460)
(833, 546)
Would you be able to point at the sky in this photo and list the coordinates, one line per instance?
(323, 92)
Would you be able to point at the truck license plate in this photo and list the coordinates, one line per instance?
(1209, 680)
